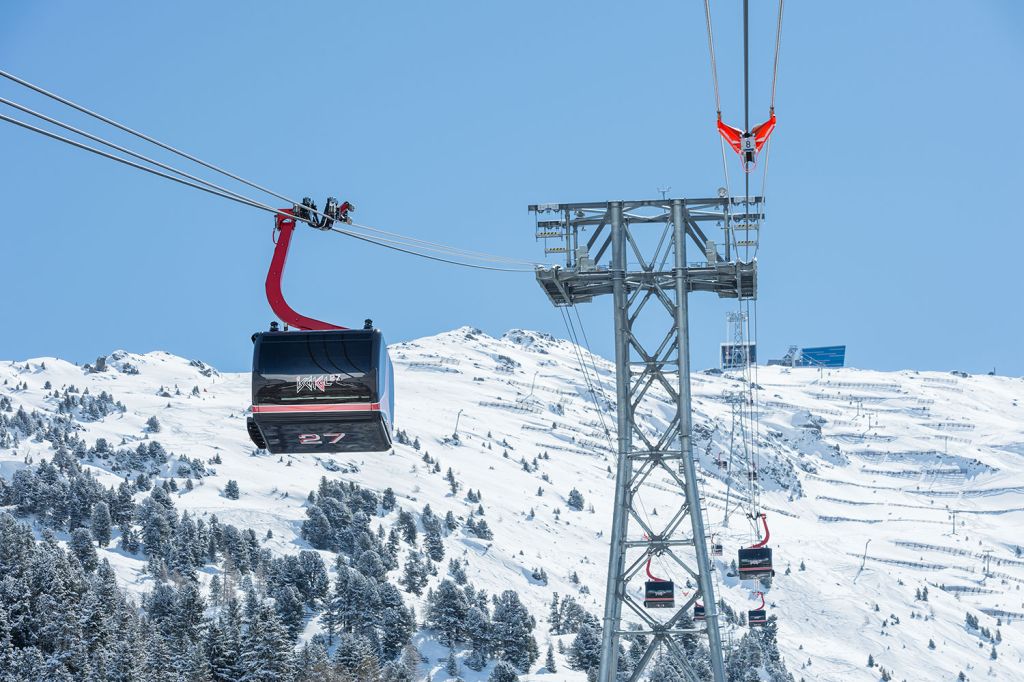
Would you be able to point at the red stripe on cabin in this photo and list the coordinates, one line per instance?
(331, 407)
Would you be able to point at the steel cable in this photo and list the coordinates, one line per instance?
(143, 136)
(210, 188)
(475, 255)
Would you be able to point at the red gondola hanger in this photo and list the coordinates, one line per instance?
(756, 561)
(767, 533)
(650, 575)
(284, 227)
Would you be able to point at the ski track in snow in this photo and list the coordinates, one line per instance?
(934, 441)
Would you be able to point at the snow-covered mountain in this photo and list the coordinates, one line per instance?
(859, 471)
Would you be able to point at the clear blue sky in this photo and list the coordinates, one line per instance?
(894, 176)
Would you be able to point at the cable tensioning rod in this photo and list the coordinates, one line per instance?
(236, 198)
(711, 49)
(778, 40)
(714, 81)
(190, 157)
(775, 77)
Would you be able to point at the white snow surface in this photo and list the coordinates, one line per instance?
(895, 452)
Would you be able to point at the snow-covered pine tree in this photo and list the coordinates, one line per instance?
(503, 672)
(549, 660)
(585, 650)
(432, 541)
(447, 609)
(81, 546)
(407, 527)
(100, 524)
(479, 633)
(512, 631)
(554, 616)
(451, 664)
(265, 648)
(414, 576)
(388, 500)
(312, 664)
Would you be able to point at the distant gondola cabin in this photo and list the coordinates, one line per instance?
(659, 594)
(755, 562)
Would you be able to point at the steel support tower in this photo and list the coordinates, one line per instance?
(649, 273)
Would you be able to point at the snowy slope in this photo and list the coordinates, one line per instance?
(847, 457)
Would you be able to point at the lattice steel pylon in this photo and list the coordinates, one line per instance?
(653, 234)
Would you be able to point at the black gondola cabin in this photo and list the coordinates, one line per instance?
(659, 594)
(717, 549)
(698, 613)
(755, 562)
(321, 392)
(757, 618)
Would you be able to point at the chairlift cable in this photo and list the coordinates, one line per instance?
(480, 255)
(454, 250)
(746, 91)
(379, 242)
(95, 138)
(574, 339)
(757, 399)
(711, 50)
(725, 170)
(775, 78)
(714, 81)
(215, 190)
(778, 41)
(746, 66)
(114, 157)
(593, 365)
(143, 136)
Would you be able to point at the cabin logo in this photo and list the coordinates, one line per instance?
(315, 382)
